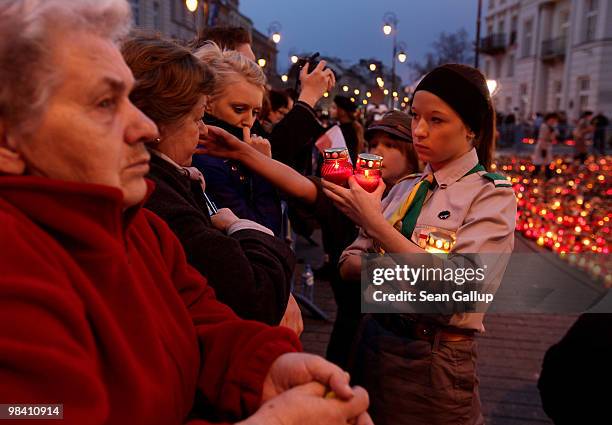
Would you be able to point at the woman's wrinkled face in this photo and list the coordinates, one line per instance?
(238, 105)
(395, 164)
(180, 139)
(90, 132)
(438, 133)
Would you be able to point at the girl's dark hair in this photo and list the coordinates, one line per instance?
(169, 78)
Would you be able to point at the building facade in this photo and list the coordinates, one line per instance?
(171, 18)
(549, 55)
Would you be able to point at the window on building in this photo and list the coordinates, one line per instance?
(487, 69)
(590, 23)
(564, 19)
(513, 29)
(523, 89)
(508, 104)
(489, 29)
(156, 16)
(527, 37)
(501, 26)
(557, 86)
(135, 5)
(510, 72)
(491, 4)
(498, 68)
(584, 83)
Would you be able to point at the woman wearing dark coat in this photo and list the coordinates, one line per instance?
(248, 267)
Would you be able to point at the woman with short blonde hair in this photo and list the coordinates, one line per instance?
(234, 104)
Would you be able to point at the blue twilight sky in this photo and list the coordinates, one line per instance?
(352, 29)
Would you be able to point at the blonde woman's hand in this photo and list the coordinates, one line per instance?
(258, 143)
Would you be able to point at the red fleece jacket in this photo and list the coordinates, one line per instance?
(100, 311)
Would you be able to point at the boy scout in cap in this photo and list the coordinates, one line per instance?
(421, 369)
(391, 138)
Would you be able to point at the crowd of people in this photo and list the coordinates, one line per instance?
(589, 132)
(146, 268)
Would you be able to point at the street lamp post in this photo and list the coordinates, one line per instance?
(399, 49)
(192, 6)
(390, 27)
(476, 53)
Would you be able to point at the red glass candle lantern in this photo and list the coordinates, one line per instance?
(368, 171)
(337, 168)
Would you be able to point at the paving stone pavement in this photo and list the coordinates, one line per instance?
(510, 352)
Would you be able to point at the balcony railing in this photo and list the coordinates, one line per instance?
(493, 44)
(553, 49)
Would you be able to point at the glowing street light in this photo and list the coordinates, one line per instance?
(387, 28)
(345, 88)
(274, 31)
(284, 78)
(386, 92)
(261, 62)
(401, 56)
(380, 82)
(192, 5)
(368, 94)
(356, 91)
(365, 102)
(406, 99)
(353, 99)
(372, 67)
(326, 94)
(493, 87)
(394, 94)
(294, 59)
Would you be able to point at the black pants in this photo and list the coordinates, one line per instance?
(416, 382)
(348, 317)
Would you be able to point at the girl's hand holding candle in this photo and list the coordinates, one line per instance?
(337, 167)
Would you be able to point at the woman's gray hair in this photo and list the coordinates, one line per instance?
(28, 33)
(229, 66)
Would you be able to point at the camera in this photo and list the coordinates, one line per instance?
(311, 61)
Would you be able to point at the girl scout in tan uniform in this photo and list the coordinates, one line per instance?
(418, 370)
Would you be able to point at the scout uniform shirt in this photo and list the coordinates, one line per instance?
(476, 208)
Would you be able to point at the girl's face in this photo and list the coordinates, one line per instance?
(239, 105)
(438, 133)
(395, 164)
(180, 139)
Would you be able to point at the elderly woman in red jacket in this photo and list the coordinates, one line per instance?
(99, 309)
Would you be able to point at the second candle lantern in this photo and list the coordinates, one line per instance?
(368, 171)
(337, 167)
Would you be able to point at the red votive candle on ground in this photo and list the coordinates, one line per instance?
(368, 171)
(337, 167)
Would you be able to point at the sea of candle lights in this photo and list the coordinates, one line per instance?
(570, 213)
